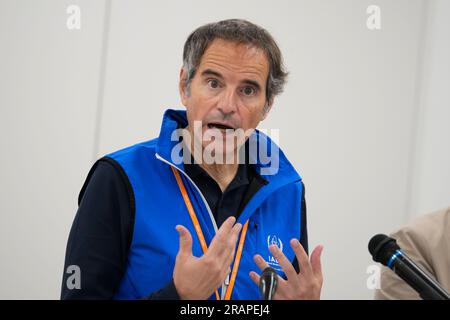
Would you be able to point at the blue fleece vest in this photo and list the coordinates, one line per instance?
(274, 215)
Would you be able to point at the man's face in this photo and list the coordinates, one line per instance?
(228, 90)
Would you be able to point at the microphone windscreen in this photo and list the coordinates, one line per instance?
(268, 283)
(268, 271)
(382, 247)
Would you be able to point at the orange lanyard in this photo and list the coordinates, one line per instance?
(201, 237)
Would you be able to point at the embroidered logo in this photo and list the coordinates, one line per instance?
(274, 240)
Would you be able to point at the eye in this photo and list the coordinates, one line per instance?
(213, 83)
(248, 91)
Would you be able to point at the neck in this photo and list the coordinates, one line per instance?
(222, 173)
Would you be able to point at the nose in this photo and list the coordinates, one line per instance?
(228, 103)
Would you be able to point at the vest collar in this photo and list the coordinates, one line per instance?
(283, 174)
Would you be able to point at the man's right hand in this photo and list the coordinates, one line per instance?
(198, 278)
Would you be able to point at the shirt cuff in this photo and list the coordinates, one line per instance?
(169, 292)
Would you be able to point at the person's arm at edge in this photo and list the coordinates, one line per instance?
(100, 236)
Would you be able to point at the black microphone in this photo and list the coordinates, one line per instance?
(268, 283)
(386, 251)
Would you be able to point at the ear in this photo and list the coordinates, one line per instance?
(182, 86)
(267, 109)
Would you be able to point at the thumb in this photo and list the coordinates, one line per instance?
(185, 240)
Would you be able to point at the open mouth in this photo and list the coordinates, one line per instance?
(220, 126)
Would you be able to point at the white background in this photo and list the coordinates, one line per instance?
(364, 117)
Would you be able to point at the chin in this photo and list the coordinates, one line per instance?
(219, 153)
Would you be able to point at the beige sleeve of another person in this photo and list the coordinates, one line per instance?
(427, 242)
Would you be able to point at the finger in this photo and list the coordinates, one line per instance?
(224, 254)
(255, 277)
(230, 252)
(227, 225)
(185, 240)
(234, 236)
(235, 232)
(220, 239)
(260, 262)
(302, 257)
(316, 260)
(284, 262)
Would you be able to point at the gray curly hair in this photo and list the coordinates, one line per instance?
(240, 31)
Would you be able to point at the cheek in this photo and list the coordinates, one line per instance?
(253, 108)
(200, 105)
(250, 118)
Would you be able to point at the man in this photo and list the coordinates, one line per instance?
(232, 215)
(426, 240)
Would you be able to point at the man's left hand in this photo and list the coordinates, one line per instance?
(305, 285)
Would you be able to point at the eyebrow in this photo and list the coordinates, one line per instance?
(210, 72)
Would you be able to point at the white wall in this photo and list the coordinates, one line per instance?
(361, 112)
(48, 96)
(430, 184)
